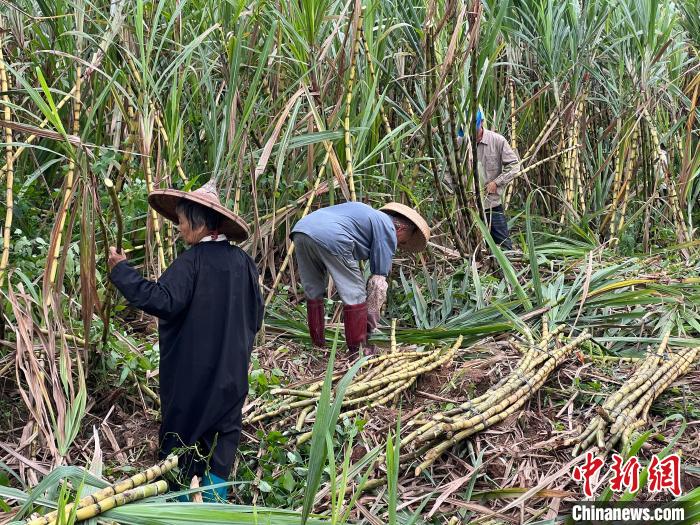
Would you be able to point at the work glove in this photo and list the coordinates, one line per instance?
(376, 297)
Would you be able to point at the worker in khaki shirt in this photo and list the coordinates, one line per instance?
(498, 164)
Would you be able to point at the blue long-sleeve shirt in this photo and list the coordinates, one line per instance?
(353, 229)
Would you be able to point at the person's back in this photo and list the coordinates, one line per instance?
(351, 229)
(224, 280)
(209, 309)
(332, 240)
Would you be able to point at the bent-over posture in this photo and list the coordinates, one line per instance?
(332, 241)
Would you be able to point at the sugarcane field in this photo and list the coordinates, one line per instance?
(368, 262)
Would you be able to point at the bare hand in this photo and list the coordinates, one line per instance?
(115, 257)
(492, 187)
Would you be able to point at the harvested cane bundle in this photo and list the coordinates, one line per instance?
(127, 487)
(626, 411)
(122, 498)
(443, 430)
(381, 380)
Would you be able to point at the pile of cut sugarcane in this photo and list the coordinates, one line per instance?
(380, 381)
(440, 432)
(121, 493)
(626, 411)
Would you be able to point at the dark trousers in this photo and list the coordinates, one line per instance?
(497, 223)
(214, 451)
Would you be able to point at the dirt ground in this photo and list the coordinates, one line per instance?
(522, 453)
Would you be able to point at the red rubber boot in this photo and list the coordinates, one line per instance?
(355, 321)
(315, 313)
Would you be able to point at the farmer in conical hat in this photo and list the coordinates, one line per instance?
(209, 308)
(332, 241)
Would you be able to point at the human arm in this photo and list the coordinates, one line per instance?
(383, 245)
(164, 298)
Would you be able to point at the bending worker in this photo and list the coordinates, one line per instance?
(332, 241)
(209, 309)
(498, 165)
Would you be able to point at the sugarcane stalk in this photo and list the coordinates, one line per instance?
(282, 408)
(522, 394)
(305, 437)
(528, 362)
(674, 204)
(577, 148)
(377, 394)
(516, 402)
(148, 175)
(628, 432)
(630, 414)
(512, 397)
(57, 237)
(588, 436)
(117, 213)
(647, 380)
(290, 251)
(411, 369)
(166, 140)
(392, 394)
(639, 377)
(373, 77)
(348, 103)
(664, 376)
(617, 179)
(302, 418)
(8, 170)
(511, 92)
(620, 199)
(129, 145)
(293, 392)
(394, 373)
(128, 484)
(123, 498)
(375, 371)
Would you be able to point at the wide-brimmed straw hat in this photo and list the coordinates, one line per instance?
(165, 202)
(419, 239)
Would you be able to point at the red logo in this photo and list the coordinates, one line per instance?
(625, 474)
(665, 474)
(585, 472)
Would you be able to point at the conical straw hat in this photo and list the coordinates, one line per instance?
(165, 202)
(419, 239)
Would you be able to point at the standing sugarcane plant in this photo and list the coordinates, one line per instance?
(8, 170)
(354, 52)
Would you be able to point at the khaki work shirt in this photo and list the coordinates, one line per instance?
(497, 163)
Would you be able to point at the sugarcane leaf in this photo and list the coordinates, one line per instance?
(326, 418)
(393, 445)
(52, 481)
(478, 290)
(507, 268)
(421, 305)
(139, 513)
(532, 252)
